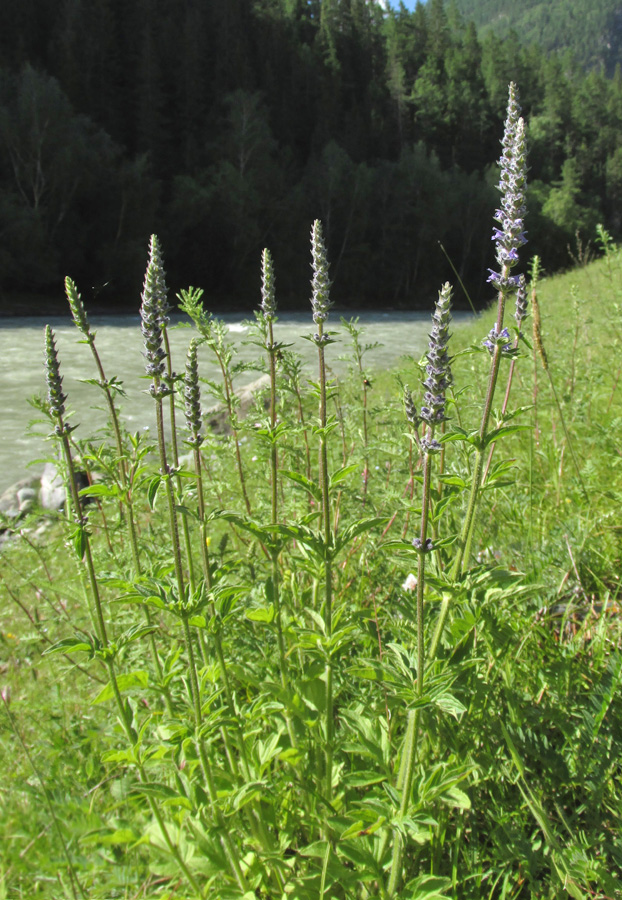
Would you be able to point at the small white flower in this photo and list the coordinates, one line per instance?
(410, 584)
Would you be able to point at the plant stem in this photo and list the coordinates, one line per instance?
(328, 586)
(410, 742)
(103, 636)
(466, 535)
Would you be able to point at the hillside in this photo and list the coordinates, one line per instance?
(590, 29)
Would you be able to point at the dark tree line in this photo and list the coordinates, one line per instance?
(229, 126)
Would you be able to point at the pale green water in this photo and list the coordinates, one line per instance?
(119, 343)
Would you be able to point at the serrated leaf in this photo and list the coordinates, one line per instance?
(317, 849)
(121, 836)
(155, 789)
(453, 480)
(426, 887)
(341, 474)
(353, 531)
(100, 490)
(504, 430)
(135, 633)
(263, 614)
(69, 645)
(310, 486)
(125, 681)
(456, 798)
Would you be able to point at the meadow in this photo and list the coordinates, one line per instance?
(365, 644)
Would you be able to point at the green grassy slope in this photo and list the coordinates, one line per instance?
(545, 654)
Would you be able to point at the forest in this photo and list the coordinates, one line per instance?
(228, 127)
(590, 29)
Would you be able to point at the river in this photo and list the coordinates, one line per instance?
(119, 343)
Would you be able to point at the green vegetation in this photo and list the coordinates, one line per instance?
(590, 29)
(272, 736)
(225, 127)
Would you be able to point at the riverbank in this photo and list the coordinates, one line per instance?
(120, 345)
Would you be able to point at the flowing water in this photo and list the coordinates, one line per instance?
(119, 343)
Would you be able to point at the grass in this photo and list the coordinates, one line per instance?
(516, 774)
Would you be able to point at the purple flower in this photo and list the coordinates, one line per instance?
(423, 547)
(268, 301)
(153, 318)
(320, 284)
(521, 301)
(438, 371)
(510, 235)
(192, 396)
(501, 339)
(412, 414)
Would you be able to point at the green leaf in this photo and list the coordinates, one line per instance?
(453, 480)
(152, 490)
(341, 474)
(362, 779)
(135, 633)
(125, 681)
(263, 533)
(247, 793)
(348, 534)
(504, 430)
(362, 858)
(305, 536)
(449, 704)
(100, 490)
(456, 798)
(78, 540)
(317, 849)
(123, 836)
(69, 645)
(352, 830)
(155, 789)
(263, 614)
(310, 486)
(426, 887)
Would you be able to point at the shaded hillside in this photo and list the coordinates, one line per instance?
(590, 29)
(228, 127)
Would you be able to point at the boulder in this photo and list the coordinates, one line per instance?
(13, 501)
(217, 418)
(51, 489)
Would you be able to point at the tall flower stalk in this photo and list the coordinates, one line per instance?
(268, 313)
(169, 377)
(320, 304)
(432, 415)
(509, 237)
(213, 333)
(81, 321)
(62, 430)
(161, 387)
(192, 408)
(519, 315)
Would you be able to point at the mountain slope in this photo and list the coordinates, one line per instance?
(590, 29)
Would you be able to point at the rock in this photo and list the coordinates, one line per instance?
(217, 417)
(27, 497)
(52, 489)
(12, 500)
